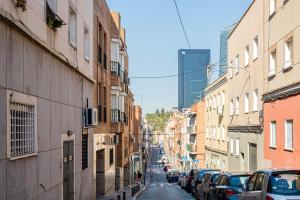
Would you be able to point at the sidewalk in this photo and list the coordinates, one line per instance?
(128, 191)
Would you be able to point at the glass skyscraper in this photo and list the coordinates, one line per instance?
(192, 78)
(224, 49)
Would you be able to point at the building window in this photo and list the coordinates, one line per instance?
(84, 151)
(255, 48)
(214, 132)
(218, 133)
(223, 98)
(273, 135)
(72, 27)
(231, 146)
(231, 69)
(237, 106)
(272, 7)
(237, 147)
(111, 156)
(215, 103)
(288, 53)
(22, 129)
(237, 64)
(272, 67)
(86, 44)
(231, 107)
(247, 55)
(246, 108)
(207, 132)
(255, 100)
(223, 133)
(288, 135)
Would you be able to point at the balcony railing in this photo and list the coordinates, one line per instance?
(115, 115)
(115, 68)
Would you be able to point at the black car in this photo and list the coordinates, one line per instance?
(228, 186)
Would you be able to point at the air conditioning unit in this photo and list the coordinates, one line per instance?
(90, 116)
(106, 140)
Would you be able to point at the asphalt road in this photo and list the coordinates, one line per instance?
(159, 188)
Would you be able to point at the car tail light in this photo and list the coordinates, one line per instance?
(269, 198)
(229, 192)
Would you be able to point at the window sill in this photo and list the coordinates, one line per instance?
(285, 2)
(254, 59)
(288, 150)
(271, 75)
(246, 112)
(24, 156)
(86, 59)
(246, 65)
(273, 147)
(272, 15)
(73, 45)
(287, 67)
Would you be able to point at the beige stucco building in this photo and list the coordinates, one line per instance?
(46, 66)
(216, 120)
(245, 81)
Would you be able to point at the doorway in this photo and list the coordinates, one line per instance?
(252, 157)
(100, 172)
(68, 170)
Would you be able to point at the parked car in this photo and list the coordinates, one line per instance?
(183, 181)
(228, 186)
(169, 171)
(273, 185)
(181, 177)
(199, 179)
(173, 176)
(190, 180)
(202, 189)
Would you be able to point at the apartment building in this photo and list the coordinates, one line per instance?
(105, 140)
(119, 94)
(195, 135)
(281, 83)
(245, 81)
(46, 86)
(216, 120)
(138, 139)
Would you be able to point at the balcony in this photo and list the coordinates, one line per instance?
(115, 115)
(191, 129)
(189, 147)
(115, 68)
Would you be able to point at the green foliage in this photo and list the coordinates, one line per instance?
(158, 119)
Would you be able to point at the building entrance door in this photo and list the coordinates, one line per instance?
(252, 157)
(68, 170)
(100, 172)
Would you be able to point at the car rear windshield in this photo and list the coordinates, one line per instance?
(238, 181)
(287, 184)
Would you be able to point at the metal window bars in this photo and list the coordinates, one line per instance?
(22, 136)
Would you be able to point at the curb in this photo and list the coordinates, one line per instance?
(140, 192)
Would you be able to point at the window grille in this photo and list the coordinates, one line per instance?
(22, 134)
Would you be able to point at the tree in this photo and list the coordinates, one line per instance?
(162, 112)
(158, 119)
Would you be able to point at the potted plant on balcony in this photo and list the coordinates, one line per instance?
(21, 4)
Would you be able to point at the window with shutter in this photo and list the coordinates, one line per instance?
(72, 27)
(84, 151)
(237, 147)
(86, 44)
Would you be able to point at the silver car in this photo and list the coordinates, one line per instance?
(273, 185)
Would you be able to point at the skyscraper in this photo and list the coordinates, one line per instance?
(192, 79)
(224, 49)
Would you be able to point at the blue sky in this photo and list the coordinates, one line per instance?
(154, 36)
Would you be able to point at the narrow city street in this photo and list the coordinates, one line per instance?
(159, 188)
